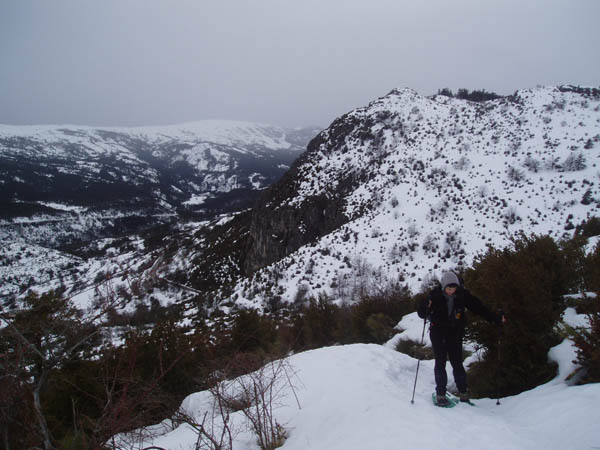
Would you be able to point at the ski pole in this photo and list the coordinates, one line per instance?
(499, 364)
(412, 401)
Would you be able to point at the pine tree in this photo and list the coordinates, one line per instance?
(527, 281)
(40, 338)
(588, 347)
(587, 341)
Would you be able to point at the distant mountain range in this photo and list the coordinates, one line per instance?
(64, 183)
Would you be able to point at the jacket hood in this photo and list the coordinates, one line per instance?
(449, 278)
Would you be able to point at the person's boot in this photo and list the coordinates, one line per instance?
(464, 397)
(441, 400)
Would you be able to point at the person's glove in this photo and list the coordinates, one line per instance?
(501, 318)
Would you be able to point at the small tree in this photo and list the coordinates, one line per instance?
(588, 347)
(67, 391)
(373, 317)
(251, 332)
(527, 281)
(46, 334)
(515, 174)
(574, 162)
(591, 270)
(588, 340)
(316, 324)
(532, 164)
(264, 389)
(15, 397)
(256, 394)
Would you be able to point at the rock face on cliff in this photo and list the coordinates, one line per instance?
(285, 219)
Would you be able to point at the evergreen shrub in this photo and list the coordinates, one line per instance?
(591, 270)
(373, 317)
(589, 227)
(588, 347)
(414, 349)
(587, 341)
(316, 325)
(527, 281)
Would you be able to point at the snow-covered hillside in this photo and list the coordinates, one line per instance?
(358, 397)
(121, 266)
(424, 184)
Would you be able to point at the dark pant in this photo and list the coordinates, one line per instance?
(447, 342)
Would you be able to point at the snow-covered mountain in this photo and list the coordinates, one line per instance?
(63, 182)
(409, 185)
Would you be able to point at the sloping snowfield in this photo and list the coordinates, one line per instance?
(358, 397)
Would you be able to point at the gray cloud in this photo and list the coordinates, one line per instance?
(150, 62)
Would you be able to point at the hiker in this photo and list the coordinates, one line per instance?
(445, 308)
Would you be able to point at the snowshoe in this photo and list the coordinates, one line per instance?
(461, 398)
(444, 401)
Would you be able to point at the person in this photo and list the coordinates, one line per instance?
(445, 308)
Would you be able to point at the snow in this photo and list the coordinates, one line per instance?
(358, 397)
(63, 207)
(411, 327)
(592, 243)
(197, 199)
(31, 262)
(570, 317)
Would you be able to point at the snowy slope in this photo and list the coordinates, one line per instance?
(109, 266)
(425, 184)
(358, 396)
(36, 265)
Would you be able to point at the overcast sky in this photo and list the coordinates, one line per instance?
(284, 62)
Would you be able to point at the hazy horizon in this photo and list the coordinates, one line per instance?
(148, 62)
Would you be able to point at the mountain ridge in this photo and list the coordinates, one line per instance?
(417, 184)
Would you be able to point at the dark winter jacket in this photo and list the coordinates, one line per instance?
(438, 313)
